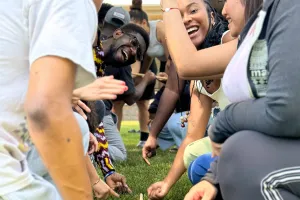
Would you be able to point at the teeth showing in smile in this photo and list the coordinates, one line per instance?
(192, 29)
(125, 55)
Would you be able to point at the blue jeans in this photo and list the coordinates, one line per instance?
(172, 133)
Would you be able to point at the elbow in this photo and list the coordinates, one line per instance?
(37, 114)
(184, 72)
(130, 100)
(41, 111)
(284, 119)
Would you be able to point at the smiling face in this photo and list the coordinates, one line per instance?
(195, 19)
(126, 48)
(234, 12)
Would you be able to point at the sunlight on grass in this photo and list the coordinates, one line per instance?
(139, 175)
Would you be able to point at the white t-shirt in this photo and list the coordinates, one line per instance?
(30, 29)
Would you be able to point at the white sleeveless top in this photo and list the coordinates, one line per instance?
(155, 49)
(248, 65)
(218, 95)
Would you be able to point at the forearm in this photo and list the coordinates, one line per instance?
(165, 109)
(61, 150)
(93, 175)
(178, 168)
(139, 91)
(168, 100)
(197, 122)
(146, 64)
(102, 156)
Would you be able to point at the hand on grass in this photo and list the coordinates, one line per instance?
(149, 149)
(103, 191)
(158, 190)
(117, 182)
(202, 191)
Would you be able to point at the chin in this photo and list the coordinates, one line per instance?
(234, 33)
(197, 42)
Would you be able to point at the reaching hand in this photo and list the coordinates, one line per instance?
(202, 191)
(149, 149)
(150, 77)
(117, 182)
(102, 88)
(158, 190)
(80, 107)
(93, 145)
(162, 77)
(103, 191)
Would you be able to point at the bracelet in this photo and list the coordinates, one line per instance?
(96, 182)
(108, 174)
(168, 9)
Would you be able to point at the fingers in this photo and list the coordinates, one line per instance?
(147, 161)
(113, 193)
(80, 111)
(207, 196)
(145, 152)
(83, 106)
(91, 150)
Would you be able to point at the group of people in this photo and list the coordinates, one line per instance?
(67, 68)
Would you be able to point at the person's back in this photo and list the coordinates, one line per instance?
(31, 31)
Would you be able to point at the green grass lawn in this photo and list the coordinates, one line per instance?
(139, 175)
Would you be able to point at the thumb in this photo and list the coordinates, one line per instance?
(113, 193)
(207, 196)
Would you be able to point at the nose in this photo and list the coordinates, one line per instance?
(133, 50)
(186, 19)
(224, 12)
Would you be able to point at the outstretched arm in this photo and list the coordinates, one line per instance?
(198, 119)
(167, 103)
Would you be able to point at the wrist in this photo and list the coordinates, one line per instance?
(169, 183)
(152, 136)
(109, 174)
(95, 182)
(169, 4)
(76, 94)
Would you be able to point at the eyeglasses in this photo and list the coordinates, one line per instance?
(135, 42)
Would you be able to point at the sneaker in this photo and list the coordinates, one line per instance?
(141, 144)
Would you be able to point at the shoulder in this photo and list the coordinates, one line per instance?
(160, 31)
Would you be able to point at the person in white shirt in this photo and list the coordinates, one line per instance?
(45, 53)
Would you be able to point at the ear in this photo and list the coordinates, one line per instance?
(117, 33)
(212, 16)
(144, 22)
